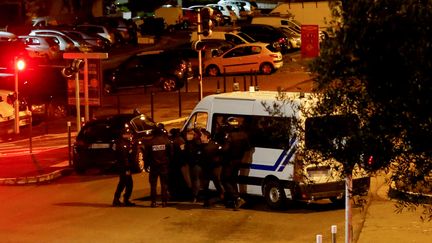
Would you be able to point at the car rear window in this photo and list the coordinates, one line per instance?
(101, 131)
(271, 48)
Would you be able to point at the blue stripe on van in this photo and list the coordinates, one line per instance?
(281, 157)
(290, 154)
(270, 167)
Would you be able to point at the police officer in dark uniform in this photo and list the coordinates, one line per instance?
(123, 149)
(179, 183)
(194, 160)
(238, 144)
(211, 166)
(158, 153)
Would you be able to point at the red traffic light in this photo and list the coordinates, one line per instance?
(20, 64)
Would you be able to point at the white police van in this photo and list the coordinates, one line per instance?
(273, 168)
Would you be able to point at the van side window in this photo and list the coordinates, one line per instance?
(263, 131)
(197, 120)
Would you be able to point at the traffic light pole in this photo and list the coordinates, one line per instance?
(200, 56)
(86, 92)
(77, 102)
(16, 102)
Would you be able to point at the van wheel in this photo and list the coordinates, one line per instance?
(266, 68)
(212, 70)
(274, 194)
(168, 83)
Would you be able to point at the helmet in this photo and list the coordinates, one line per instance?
(159, 129)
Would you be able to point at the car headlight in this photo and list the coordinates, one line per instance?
(39, 108)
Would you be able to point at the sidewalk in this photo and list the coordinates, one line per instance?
(383, 224)
(47, 160)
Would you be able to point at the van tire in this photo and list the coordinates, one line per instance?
(266, 68)
(274, 194)
(212, 70)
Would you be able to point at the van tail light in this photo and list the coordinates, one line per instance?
(274, 55)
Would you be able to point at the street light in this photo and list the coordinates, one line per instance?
(19, 66)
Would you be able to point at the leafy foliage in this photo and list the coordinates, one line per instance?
(377, 65)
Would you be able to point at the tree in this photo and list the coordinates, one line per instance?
(377, 65)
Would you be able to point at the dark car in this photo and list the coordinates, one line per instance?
(267, 34)
(95, 143)
(153, 68)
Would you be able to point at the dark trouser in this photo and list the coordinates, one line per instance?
(160, 171)
(212, 173)
(230, 173)
(196, 175)
(125, 181)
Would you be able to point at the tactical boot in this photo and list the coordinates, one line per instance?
(116, 202)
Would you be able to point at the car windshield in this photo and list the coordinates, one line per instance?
(247, 37)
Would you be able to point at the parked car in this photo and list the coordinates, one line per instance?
(122, 28)
(24, 112)
(44, 47)
(95, 144)
(153, 68)
(101, 43)
(267, 34)
(245, 58)
(278, 21)
(246, 8)
(236, 37)
(78, 43)
(7, 36)
(224, 11)
(294, 38)
(101, 30)
(190, 17)
(65, 44)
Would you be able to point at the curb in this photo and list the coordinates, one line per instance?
(409, 196)
(44, 178)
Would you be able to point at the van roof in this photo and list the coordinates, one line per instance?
(257, 95)
(228, 101)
